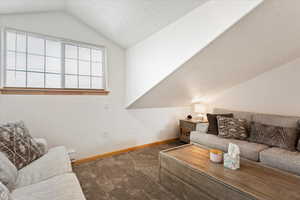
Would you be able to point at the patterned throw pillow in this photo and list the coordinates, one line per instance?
(232, 128)
(17, 144)
(4, 193)
(275, 136)
(213, 123)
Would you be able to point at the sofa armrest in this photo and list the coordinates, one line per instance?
(42, 143)
(197, 132)
(202, 127)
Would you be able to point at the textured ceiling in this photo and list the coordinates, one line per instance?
(125, 22)
(23, 6)
(129, 21)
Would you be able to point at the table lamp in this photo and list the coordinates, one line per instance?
(200, 110)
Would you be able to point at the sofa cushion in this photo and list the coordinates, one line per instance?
(213, 123)
(53, 163)
(4, 192)
(276, 120)
(18, 145)
(248, 150)
(209, 140)
(232, 128)
(274, 136)
(8, 172)
(282, 159)
(63, 187)
(298, 146)
(237, 114)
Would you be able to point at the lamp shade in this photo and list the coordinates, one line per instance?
(200, 108)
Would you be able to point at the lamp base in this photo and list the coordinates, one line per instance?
(201, 117)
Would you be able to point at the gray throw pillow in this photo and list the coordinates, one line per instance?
(17, 144)
(232, 128)
(8, 172)
(4, 193)
(274, 136)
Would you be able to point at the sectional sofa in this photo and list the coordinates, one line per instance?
(270, 156)
(48, 178)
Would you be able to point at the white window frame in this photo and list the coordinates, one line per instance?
(64, 42)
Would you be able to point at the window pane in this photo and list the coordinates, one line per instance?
(21, 61)
(11, 60)
(96, 55)
(71, 51)
(35, 45)
(71, 66)
(71, 81)
(35, 63)
(53, 65)
(35, 80)
(21, 43)
(97, 69)
(53, 48)
(84, 82)
(97, 83)
(15, 79)
(84, 54)
(53, 81)
(84, 68)
(11, 41)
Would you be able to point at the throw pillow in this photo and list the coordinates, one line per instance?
(232, 128)
(8, 172)
(4, 193)
(17, 144)
(275, 136)
(213, 123)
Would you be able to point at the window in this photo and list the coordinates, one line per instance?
(40, 62)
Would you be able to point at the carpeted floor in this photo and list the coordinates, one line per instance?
(132, 175)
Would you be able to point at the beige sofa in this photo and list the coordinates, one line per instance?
(271, 156)
(48, 178)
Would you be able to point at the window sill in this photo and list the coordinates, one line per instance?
(42, 91)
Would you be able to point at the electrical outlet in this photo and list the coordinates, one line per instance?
(72, 153)
(106, 106)
(105, 133)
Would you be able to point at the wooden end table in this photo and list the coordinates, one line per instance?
(187, 126)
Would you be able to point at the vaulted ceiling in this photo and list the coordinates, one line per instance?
(125, 22)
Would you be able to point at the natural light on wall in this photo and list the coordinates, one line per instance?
(37, 61)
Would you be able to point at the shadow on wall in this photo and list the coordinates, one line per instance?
(159, 124)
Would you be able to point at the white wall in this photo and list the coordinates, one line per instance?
(153, 59)
(275, 92)
(89, 124)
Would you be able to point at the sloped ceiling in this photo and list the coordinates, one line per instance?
(265, 39)
(125, 22)
(129, 21)
(23, 6)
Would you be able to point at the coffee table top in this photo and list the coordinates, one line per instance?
(261, 182)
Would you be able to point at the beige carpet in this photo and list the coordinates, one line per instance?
(132, 175)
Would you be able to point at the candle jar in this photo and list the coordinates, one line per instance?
(216, 155)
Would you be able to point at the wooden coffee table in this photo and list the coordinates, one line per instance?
(188, 172)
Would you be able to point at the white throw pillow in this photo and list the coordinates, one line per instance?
(8, 172)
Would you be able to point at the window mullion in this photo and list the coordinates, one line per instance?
(77, 66)
(63, 65)
(45, 45)
(26, 65)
